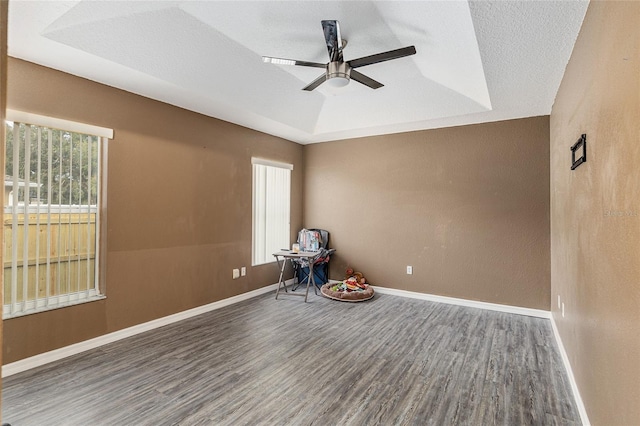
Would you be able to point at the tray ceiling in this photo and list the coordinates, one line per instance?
(476, 61)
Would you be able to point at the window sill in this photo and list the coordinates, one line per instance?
(38, 306)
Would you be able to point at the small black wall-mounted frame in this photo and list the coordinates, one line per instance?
(580, 147)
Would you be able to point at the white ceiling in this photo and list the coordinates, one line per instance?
(476, 61)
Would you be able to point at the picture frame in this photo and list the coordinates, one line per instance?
(579, 152)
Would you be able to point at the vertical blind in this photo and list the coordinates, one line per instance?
(51, 217)
(271, 209)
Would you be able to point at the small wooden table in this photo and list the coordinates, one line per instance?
(283, 256)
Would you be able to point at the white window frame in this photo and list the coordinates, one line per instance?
(271, 209)
(40, 304)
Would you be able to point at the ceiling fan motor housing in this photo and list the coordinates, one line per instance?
(338, 70)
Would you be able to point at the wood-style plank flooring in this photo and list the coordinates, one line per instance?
(387, 361)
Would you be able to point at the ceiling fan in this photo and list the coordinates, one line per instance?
(337, 71)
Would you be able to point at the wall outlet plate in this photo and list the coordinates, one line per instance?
(409, 270)
(243, 271)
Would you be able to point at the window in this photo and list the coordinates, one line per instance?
(271, 209)
(52, 219)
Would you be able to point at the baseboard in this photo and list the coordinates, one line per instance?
(508, 309)
(57, 354)
(539, 313)
(572, 380)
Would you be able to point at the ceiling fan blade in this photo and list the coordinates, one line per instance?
(281, 61)
(334, 40)
(381, 57)
(367, 81)
(315, 83)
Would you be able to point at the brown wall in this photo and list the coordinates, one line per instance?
(179, 207)
(467, 207)
(4, 8)
(595, 213)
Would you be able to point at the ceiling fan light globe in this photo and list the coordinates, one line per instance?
(338, 81)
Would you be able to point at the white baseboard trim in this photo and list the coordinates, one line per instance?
(539, 313)
(57, 354)
(572, 380)
(508, 309)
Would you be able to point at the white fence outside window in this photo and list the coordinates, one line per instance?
(52, 217)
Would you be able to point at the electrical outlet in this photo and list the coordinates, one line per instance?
(243, 271)
(409, 270)
(562, 309)
(558, 301)
(236, 273)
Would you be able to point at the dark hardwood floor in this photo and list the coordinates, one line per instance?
(387, 361)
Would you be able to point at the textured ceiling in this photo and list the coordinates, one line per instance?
(476, 61)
